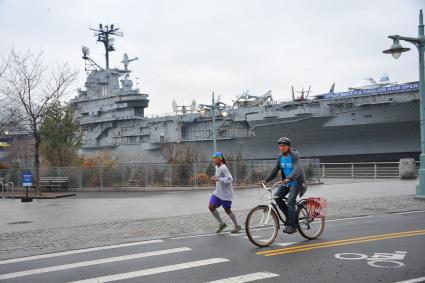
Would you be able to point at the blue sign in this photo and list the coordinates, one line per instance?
(413, 86)
(27, 180)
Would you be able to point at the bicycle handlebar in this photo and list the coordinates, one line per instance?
(272, 187)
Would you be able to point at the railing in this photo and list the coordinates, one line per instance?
(7, 190)
(159, 175)
(198, 174)
(367, 170)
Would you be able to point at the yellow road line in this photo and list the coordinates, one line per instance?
(346, 243)
(341, 242)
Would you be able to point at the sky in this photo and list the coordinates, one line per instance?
(189, 48)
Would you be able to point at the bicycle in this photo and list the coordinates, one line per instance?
(262, 224)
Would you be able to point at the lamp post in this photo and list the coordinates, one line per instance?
(396, 50)
(213, 107)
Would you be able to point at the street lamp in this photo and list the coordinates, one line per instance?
(396, 50)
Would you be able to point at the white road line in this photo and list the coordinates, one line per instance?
(247, 277)
(90, 263)
(213, 234)
(151, 271)
(193, 236)
(409, 212)
(206, 235)
(286, 244)
(348, 218)
(20, 259)
(416, 280)
(254, 237)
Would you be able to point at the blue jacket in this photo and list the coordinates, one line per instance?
(297, 173)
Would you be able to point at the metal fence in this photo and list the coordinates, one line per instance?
(159, 175)
(198, 174)
(367, 170)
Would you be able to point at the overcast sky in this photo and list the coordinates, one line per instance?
(188, 49)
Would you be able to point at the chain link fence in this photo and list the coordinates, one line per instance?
(159, 175)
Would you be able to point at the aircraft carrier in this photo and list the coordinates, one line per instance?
(372, 121)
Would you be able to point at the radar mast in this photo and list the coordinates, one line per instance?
(104, 34)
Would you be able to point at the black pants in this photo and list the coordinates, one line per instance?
(288, 210)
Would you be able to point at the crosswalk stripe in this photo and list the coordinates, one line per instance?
(247, 277)
(151, 271)
(20, 259)
(90, 263)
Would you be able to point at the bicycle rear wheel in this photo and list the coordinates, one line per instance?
(261, 228)
(308, 226)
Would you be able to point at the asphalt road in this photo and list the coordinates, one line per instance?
(209, 257)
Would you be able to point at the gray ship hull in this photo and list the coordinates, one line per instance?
(388, 138)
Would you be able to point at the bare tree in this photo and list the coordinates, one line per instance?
(3, 66)
(8, 117)
(33, 86)
(181, 153)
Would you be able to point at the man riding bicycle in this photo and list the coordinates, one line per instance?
(293, 177)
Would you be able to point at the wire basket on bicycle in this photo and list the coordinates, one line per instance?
(316, 207)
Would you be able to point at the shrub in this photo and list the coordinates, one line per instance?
(201, 179)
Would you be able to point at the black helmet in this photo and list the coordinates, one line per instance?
(284, 140)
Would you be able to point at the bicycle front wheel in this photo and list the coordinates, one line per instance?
(308, 226)
(262, 226)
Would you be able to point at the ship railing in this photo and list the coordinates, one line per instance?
(171, 114)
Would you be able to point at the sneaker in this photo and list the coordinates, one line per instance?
(289, 230)
(221, 227)
(237, 229)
